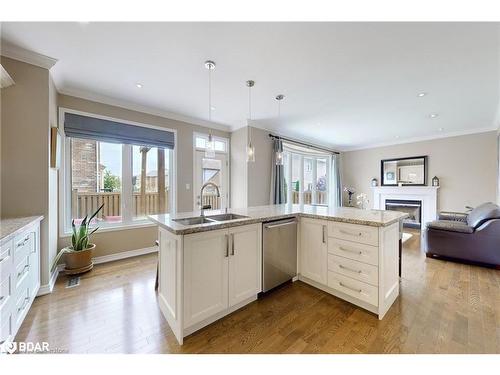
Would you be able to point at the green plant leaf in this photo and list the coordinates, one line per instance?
(58, 256)
(95, 213)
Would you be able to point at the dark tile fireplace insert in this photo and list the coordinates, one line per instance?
(412, 208)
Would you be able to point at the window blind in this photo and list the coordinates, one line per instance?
(80, 126)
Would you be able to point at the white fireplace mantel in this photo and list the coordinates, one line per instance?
(426, 194)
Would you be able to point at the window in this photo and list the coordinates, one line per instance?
(306, 175)
(220, 144)
(131, 181)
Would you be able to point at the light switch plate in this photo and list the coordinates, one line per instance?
(188, 186)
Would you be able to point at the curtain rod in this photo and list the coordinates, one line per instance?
(303, 144)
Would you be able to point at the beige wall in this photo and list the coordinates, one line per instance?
(27, 181)
(131, 239)
(259, 172)
(466, 166)
(239, 168)
(250, 182)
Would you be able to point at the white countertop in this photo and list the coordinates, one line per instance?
(376, 218)
(12, 226)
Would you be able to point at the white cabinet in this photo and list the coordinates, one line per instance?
(245, 264)
(206, 273)
(221, 272)
(19, 278)
(313, 250)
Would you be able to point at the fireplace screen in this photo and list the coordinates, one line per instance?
(412, 208)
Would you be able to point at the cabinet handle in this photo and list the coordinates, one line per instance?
(232, 244)
(227, 245)
(349, 269)
(2, 342)
(2, 259)
(24, 304)
(1, 298)
(349, 287)
(324, 230)
(350, 251)
(359, 234)
(19, 244)
(24, 270)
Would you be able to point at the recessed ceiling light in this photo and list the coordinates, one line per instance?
(421, 94)
(433, 115)
(138, 85)
(212, 108)
(441, 129)
(397, 137)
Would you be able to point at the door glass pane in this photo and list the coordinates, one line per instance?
(308, 180)
(211, 171)
(321, 182)
(200, 142)
(149, 181)
(295, 178)
(220, 146)
(96, 179)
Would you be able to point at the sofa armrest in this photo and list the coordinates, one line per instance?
(453, 216)
(450, 226)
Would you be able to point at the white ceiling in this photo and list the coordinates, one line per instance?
(347, 85)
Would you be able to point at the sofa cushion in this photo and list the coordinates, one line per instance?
(482, 213)
(451, 226)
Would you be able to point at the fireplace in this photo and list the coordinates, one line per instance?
(411, 207)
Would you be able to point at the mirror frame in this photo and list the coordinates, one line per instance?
(398, 159)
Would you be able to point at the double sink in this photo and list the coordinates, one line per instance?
(209, 219)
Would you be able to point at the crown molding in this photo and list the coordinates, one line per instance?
(12, 51)
(142, 108)
(420, 139)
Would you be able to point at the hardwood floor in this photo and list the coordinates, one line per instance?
(443, 307)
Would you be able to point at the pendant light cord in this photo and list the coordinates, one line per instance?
(210, 95)
(250, 113)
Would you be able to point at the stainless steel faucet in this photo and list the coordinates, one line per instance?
(202, 212)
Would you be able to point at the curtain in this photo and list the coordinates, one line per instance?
(337, 181)
(278, 192)
(80, 126)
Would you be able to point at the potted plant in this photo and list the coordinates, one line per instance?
(78, 256)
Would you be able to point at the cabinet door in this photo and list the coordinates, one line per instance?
(245, 264)
(206, 259)
(313, 250)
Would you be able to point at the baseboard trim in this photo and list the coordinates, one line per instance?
(124, 255)
(47, 288)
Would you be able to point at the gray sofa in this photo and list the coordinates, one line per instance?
(472, 238)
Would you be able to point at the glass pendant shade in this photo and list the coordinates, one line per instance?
(250, 152)
(279, 157)
(210, 148)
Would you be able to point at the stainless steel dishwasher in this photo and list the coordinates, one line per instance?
(280, 252)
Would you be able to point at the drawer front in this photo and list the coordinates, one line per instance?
(23, 296)
(352, 268)
(5, 258)
(24, 244)
(22, 271)
(356, 251)
(5, 290)
(6, 327)
(354, 288)
(353, 232)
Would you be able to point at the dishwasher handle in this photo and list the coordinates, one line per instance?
(282, 224)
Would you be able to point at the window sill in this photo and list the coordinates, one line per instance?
(119, 227)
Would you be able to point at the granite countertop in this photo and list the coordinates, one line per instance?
(12, 226)
(376, 218)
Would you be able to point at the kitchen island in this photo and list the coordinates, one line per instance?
(211, 266)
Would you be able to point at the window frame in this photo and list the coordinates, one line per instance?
(214, 138)
(65, 178)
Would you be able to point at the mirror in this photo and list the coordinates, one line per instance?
(404, 171)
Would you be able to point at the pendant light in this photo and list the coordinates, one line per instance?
(279, 152)
(250, 146)
(209, 146)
